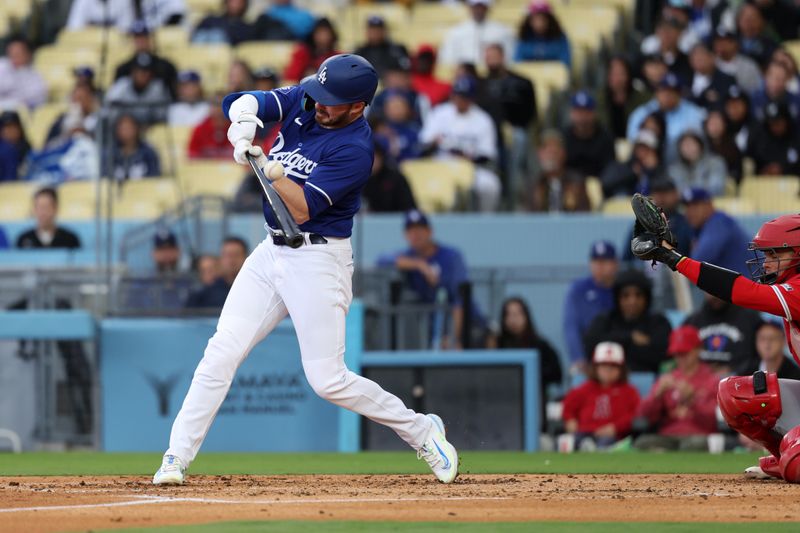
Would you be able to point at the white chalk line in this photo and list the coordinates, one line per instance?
(152, 500)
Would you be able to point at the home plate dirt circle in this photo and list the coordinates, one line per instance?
(89, 502)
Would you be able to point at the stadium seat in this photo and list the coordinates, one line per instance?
(77, 200)
(547, 77)
(171, 143)
(437, 183)
(589, 25)
(594, 189)
(274, 54)
(15, 200)
(415, 36)
(211, 61)
(623, 149)
(437, 14)
(210, 177)
(793, 47)
(161, 192)
(56, 64)
(619, 205)
(735, 206)
(136, 209)
(168, 37)
(772, 194)
(91, 37)
(42, 119)
(203, 7)
(356, 15)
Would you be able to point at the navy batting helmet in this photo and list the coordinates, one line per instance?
(342, 79)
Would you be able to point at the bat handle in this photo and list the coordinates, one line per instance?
(295, 241)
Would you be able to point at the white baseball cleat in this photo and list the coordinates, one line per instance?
(440, 455)
(171, 472)
(755, 472)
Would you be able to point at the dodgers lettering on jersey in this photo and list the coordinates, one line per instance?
(332, 165)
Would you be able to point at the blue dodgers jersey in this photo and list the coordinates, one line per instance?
(332, 165)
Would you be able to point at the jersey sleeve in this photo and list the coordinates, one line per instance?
(780, 300)
(342, 171)
(273, 106)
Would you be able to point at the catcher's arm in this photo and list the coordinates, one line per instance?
(652, 241)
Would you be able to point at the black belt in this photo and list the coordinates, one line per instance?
(313, 238)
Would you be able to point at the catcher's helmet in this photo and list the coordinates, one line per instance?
(782, 233)
(342, 79)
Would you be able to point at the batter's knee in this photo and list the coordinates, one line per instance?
(751, 405)
(328, 378)
(224, 352)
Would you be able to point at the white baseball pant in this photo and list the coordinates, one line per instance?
(312, 284)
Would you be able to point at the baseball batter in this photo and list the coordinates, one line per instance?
(761, 407)
(325, 151)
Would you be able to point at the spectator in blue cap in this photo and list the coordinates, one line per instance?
(726, 49)
(775, 144)
(718, 238)
(680, 114)
(378, 48)
(590, 147)
(84, 74)
(163, 288)
(166, 252)
(433, 271)
(143, 43)
(588, 297)
(191, 108)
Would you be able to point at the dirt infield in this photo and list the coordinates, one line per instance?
(81, 503)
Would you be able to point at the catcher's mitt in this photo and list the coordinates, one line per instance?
(651, 219)
(650, 233)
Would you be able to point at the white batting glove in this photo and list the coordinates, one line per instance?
(241, 136)
(244, 147)
(242, 130)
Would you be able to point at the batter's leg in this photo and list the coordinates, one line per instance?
(317, 292)
(253, 309)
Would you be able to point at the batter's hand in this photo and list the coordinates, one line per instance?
(243, 148)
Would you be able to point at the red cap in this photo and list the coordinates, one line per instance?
(539, 6)
(683, 339)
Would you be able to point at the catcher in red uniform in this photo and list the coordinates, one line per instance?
(762, 407)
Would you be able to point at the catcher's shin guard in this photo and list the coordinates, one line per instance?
(751, 405)
(790, 456)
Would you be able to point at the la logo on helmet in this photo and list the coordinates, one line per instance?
(323, 75)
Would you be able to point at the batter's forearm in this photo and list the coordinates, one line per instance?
(295, 199)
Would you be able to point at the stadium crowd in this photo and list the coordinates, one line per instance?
(707, 96)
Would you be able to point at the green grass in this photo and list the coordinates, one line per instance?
(502, 527)
(91, 463)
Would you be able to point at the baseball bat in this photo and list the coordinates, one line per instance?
(291, 231)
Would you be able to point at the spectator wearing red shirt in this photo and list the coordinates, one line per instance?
(682, 404)
(210, 138)
(423, 80)
(603, 407)
(308, 56)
